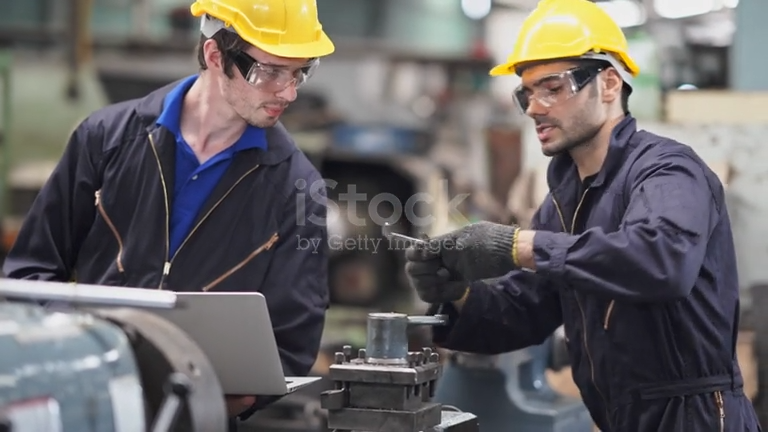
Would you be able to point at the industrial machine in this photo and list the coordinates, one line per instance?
(389, 389)
(96, 359)
(109, 364)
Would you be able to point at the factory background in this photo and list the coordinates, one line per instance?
(405, 105)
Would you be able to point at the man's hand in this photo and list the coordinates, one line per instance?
(481, 250)
(442, 271)
(433, 282)
(238, 404)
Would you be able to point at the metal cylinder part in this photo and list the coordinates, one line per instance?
(387, 339)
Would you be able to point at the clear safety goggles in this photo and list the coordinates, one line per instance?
(273, 78)
(557, 88)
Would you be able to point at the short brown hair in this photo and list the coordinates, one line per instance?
(229, 43)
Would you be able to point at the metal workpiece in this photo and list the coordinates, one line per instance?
(387, 339)
(387, 336)
(387, 388)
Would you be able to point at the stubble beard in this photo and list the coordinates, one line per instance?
(580, 138)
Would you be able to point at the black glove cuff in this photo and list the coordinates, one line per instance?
(500, 239)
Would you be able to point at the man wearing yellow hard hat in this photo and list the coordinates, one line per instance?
(631, 251)
(194, 187)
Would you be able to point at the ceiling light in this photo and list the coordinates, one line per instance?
(626, 13)
(683, 8)
(476, 9)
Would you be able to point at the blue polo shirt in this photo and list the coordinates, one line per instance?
(193, 181)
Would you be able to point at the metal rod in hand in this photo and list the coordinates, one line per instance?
(80, 294)
(386, 231)
(431, 320)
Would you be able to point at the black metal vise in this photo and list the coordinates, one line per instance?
(387, 388)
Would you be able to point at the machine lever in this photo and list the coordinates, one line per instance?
(178, 388)
(434, 320)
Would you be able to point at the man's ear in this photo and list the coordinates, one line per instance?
(611, 85)
(212, 54)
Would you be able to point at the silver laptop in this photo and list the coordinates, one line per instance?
(235, 332)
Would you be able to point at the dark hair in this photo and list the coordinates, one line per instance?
(229, 43)
(625, 92)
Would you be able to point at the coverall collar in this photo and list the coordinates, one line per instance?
(562, 170)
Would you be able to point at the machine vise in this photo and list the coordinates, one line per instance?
(388, 388)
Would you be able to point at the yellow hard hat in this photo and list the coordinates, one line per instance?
(285, 28)
(559, 29)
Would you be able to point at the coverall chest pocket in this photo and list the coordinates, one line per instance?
(248, 255)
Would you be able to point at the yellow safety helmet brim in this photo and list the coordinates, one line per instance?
(313, 42)
(320, 48)
(510, 67)
(567, 29)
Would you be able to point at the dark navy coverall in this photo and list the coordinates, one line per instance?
(105, 217)
(639, 266)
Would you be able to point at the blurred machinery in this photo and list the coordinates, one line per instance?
(114, 366)
(5, 150)
(511, 391)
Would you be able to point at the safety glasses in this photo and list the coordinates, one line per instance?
(557, 88)
(273, 78)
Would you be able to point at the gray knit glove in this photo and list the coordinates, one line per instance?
(430, 279)
(441, 271)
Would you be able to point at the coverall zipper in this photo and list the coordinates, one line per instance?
(166, 201)
(578, 301)
(720, 409)
(169, 262)
(103, 212)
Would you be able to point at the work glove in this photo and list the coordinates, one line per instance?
(441, 271)
(432, 281)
